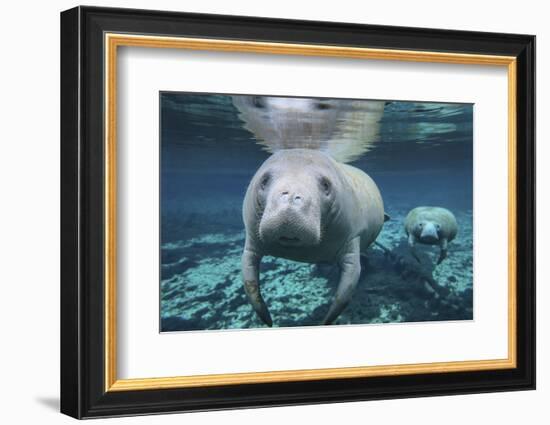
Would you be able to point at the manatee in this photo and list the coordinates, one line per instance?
(304, 206)
(431, 226)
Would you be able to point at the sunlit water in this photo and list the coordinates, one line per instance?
(422, 156)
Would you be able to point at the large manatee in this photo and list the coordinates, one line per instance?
(304, 206)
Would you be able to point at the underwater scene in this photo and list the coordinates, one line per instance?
(288, 211)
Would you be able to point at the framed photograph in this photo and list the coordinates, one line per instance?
(261, 212)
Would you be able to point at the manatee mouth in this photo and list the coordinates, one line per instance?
(285, 240)
(289, 229)
(429, 239)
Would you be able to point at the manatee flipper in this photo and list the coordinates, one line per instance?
(443, 252)
(386, 217)
(251, 279)
(350, 266)
(412, 241)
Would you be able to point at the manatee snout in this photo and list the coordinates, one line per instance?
(291, 216)
(428, 232)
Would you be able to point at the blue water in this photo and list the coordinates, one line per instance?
(421, 156)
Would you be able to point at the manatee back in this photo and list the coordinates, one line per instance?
(365, 204)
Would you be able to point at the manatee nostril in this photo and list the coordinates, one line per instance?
(284, 196)
(297, 201)
(291, 199)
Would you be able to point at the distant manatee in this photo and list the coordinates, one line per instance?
(431, 226)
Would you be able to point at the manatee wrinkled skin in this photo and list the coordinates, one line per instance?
(304, 206)
(431, 226)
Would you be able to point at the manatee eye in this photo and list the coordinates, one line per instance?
(438, 226)
(325, 185)
(258, 102)
(264, 181)
(420, 225)
(322, 106)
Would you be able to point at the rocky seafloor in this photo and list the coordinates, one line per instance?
(201, 286)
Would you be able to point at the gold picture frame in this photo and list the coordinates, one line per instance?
(114, 41)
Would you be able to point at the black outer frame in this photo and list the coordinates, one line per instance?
(82, 218)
